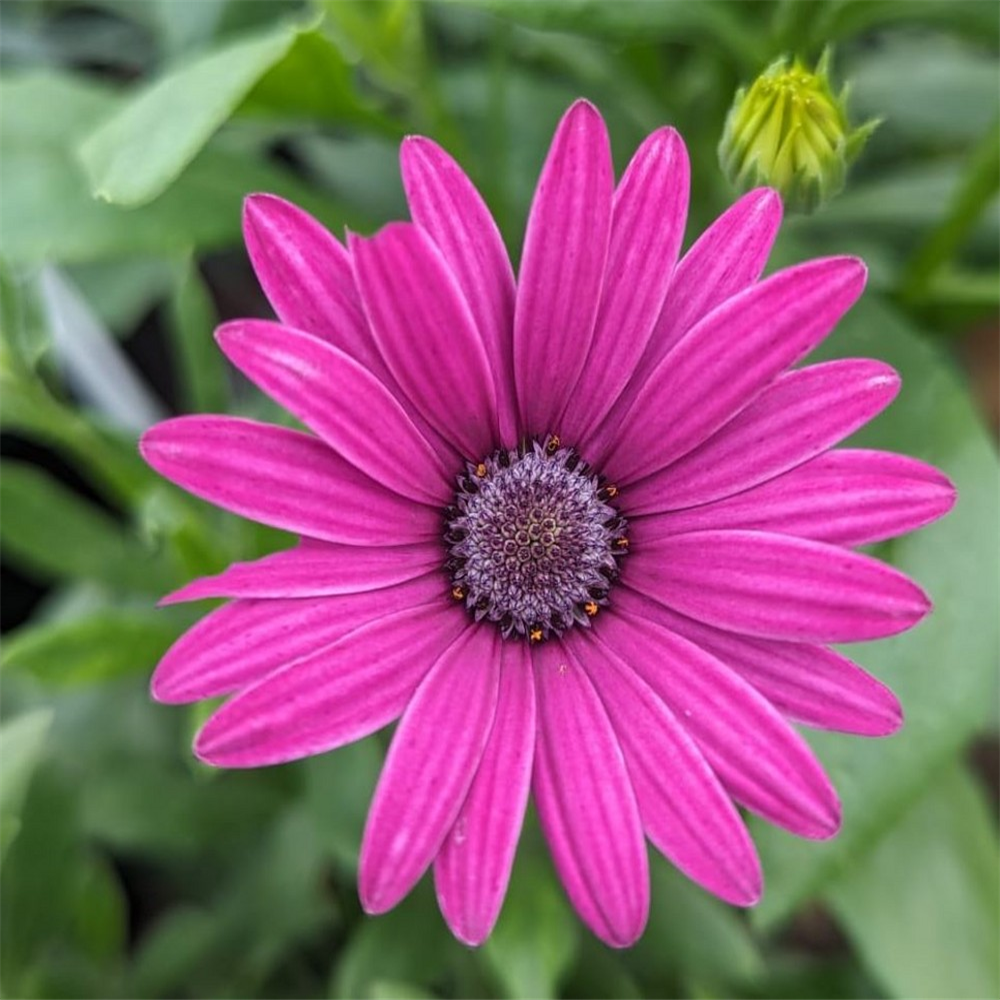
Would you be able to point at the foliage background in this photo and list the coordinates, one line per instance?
(131, 130)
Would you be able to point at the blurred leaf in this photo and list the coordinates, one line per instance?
(111, 462)
(170, 954)
(387, 989)
(22, 742)
(537, 936)
(338, 789)
(135, 155)
(952, 99)
(408, 944)
(22, 331)
(121, 292)
(192, 320)
(637, 20)
(980, 22)
(47, 213)
(944, 671)
(53, 532)
(98, 647)
(99, 911)
(102, 375)
(693, 937)
(922, 908)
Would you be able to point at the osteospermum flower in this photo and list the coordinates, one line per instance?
(583, 533)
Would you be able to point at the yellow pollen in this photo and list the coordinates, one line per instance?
(591, 608)
(481, 470)
(553, 444)
(622, 543)
(458, 593)
(612, 490)
(535, 635)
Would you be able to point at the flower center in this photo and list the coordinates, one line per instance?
(534, 543)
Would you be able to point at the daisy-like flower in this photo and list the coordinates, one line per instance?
(583, 534)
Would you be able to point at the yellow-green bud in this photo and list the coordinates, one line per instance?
(790, 132)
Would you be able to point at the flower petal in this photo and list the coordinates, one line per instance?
(799, 415)
(726, 360)
(427, 335)
(728, 256)
(756, 754)
(306, 274)
(340, 401)
(685, 811)
(430, 766)
(472, 871)
(241, 643)
(333, 696)
(562, 267)
(775, 586)
(283, 478)
(810, 684)
(845, 497)
(647, 226)
(585, 802)
(445, 202)
(319, 569)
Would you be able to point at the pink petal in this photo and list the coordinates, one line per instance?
(801, 414)
(430, 766)
(650, 209)
(332, 696)
(427, 335)
(283, 478)
(316, 570)
(445, 202)
(728, 257)
(811, 684)
(562, 267)
(685, 811)
(306, 274)
(727, 359)
(472, 871)
(241, 643)
(340, 401)
(585, 802)
(845, 497)
(757, 755)
(775, 586)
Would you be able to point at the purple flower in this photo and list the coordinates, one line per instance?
(584, 534)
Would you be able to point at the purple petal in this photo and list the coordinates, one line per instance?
(585, 802)
(306, 274)
(340, 401)
(845, 497)
(445, 202)
(562, 267)
(427, 335)
(333, 696)
(810, 684)
(430, 766)
(472, 871)
(647, 226)
(756, 754)
(727, 359)
(801, 414)
(316, 570)
(241, 643)
(283, 478)
(685, 811)
(775, 586)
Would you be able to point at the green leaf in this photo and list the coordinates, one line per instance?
(537, 936)
(980, 22)
(192, 320)
(98, 647)
(136, 154)
(53, 532)
(22, 742)
(943, 671)
(48, 214)
(637, 21)
(922, 908)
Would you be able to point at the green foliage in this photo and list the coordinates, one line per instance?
(132, 870)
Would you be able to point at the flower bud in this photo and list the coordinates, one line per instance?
(790, 131)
